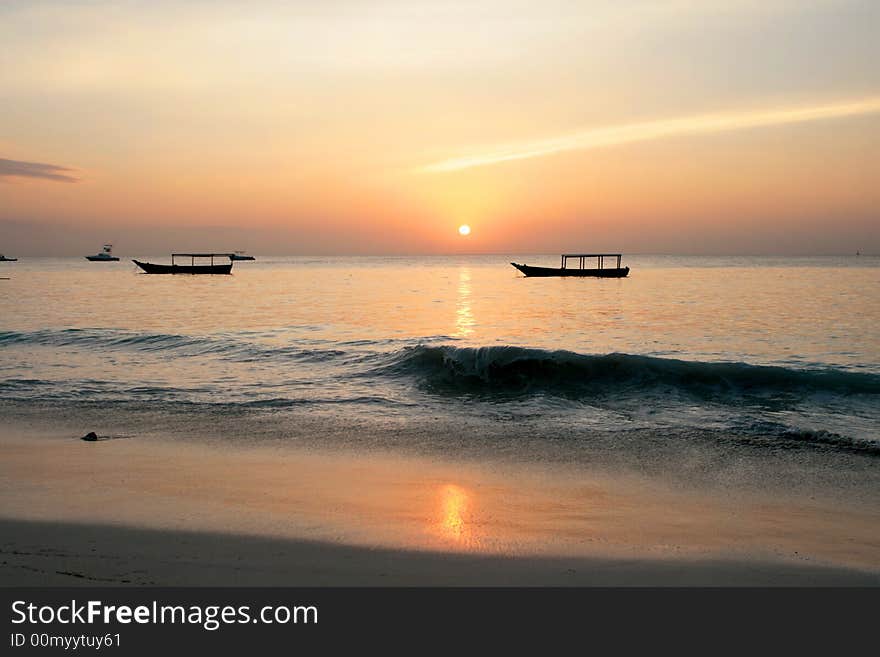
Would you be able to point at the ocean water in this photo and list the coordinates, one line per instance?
(455, 354)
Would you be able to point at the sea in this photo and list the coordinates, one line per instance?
(456, 355)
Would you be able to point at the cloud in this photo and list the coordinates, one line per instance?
(634, 132)
(20, 169)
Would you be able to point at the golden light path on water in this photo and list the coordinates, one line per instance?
(464, 316)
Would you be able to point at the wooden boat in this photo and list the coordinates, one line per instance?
(192, 267)
(3, 258)
(241, 255)
(600, 270)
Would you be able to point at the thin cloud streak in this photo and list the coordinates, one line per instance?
(650, 130)
(21, 169)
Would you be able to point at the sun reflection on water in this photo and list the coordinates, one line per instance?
(464, 318)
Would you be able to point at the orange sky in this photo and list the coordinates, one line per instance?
(380, 127)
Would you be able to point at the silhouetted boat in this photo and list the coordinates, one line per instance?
(241, 255)
(106, 255)
(3, 258)
(192, 268)
(600, 271)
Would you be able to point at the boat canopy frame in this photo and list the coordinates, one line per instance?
(582, 257)
(193, 256)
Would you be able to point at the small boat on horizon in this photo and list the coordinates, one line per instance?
(106, 255)
(192, 268)
(241, 255)
(600, 271)
(3, 258)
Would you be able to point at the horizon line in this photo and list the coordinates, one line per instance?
(826, 254)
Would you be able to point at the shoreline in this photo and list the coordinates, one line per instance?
(165, 511)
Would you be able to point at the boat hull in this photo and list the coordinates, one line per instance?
(241, 257)
(97, 259)
(606, 272)
(151, 268)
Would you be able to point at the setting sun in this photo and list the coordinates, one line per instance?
(464, 229)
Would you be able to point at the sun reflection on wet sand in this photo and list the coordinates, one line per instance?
(456, 520)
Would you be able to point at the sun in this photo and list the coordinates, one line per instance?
(464, 229)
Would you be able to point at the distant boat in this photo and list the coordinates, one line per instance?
(192, 268)
(3, 258)
(241, 255)
(106, 255)
(600, 270)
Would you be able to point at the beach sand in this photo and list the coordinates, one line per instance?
(157, 511)
(64, 554)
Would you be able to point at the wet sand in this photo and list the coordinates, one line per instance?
(149, 510)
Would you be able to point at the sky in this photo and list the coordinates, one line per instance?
(350, 126)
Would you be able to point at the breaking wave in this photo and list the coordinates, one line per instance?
(523, 370)
(409, 379)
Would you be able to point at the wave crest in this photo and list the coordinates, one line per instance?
(518, 369)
